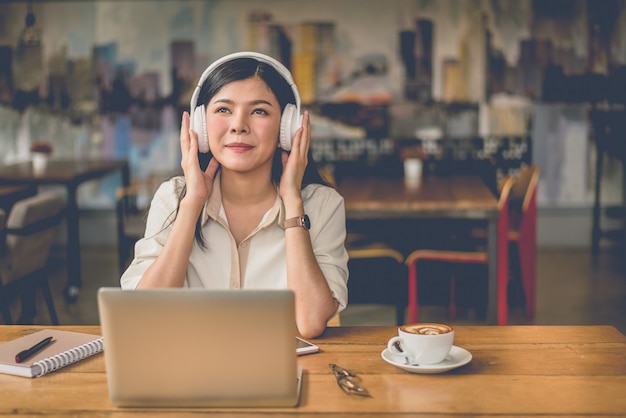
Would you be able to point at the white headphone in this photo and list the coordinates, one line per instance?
(290, 120)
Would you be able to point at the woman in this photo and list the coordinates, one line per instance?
(241, 221)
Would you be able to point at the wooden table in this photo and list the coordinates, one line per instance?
(515, 370)
(71, 174)
(435, 197)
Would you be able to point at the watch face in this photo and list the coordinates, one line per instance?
(307, 222)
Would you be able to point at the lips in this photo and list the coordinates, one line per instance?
(239, 146)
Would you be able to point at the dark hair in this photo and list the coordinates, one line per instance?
(242, 69)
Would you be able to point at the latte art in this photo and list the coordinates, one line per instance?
(426, 329)
(430, 331)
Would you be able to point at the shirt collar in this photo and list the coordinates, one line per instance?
(213, 206)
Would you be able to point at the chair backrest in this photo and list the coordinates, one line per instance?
(30, 231)
(503, 217)
(378, 275)
(531, 186)
(506, 192)
(524, 198)
(528, 221)
(524, 184)
(374, 252)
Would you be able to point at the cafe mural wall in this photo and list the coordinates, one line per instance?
(518, 77)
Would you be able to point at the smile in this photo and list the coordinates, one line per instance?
(239, 147)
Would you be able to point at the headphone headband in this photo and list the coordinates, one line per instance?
(277, 65)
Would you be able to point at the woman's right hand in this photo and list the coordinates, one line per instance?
(199, 183)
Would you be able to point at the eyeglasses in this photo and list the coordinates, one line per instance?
(348, 381)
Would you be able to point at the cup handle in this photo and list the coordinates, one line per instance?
(392, 345)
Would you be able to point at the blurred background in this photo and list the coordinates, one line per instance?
(481, 87)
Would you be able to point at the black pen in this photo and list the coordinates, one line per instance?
(23, 355)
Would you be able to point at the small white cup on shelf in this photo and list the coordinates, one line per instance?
(412, 171)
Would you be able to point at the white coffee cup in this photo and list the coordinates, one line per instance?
(426, 343)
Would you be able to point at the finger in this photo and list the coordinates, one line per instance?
(299, 144)
(296, 141)
(212, 168)
(284, 157)
(185, 122)
(184, 138)
(184, 127)
(303, 135)
(193, 142)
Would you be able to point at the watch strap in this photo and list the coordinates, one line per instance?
(302, 221)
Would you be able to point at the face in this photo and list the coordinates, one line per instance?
(243, 123)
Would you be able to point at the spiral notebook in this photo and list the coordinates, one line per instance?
(67, 347)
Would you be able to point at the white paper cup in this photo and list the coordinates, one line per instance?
(40, 161)
(425, 343)
(413, 168)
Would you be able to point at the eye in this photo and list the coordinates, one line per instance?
(259, 111)
(222, 110)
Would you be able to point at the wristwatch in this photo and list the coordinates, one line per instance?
(302, 221)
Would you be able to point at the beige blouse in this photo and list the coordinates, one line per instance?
(259, 260)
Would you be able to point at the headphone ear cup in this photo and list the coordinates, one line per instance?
(289, 124)
(199, 126)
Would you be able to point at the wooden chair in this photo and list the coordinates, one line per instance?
(479, 256)
(377, 276)
(132, 205)
(29, 234)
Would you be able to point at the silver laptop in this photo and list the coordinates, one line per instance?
(198, 347)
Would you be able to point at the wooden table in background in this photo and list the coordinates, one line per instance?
(466, 197)
(515, 370)
(434, 197)
(70, 174)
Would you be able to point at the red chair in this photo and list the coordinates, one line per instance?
(522, 234)
(474, 257)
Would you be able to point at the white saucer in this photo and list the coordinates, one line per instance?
(456, 358)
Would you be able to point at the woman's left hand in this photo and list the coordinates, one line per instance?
(295, 162)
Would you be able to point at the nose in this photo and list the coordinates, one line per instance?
(239, 124)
